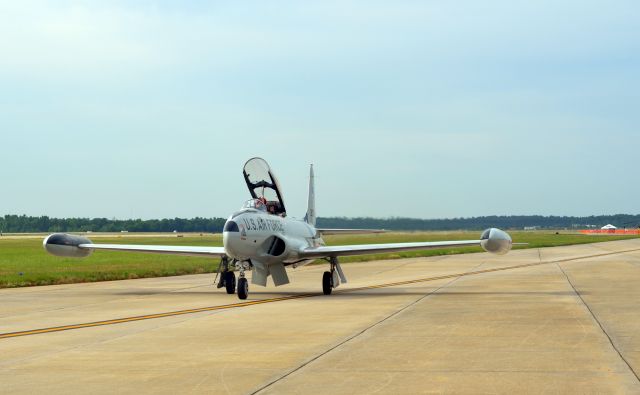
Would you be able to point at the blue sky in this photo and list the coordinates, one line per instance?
(425, 109)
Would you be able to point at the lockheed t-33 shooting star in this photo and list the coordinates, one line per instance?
(261, 237)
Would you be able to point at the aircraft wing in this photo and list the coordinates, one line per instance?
(363, 249)
(158, 249)
(492, 240)
(349, 231)
(71, 246)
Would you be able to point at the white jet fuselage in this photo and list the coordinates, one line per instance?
(258, 236)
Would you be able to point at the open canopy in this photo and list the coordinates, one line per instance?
(263, 185)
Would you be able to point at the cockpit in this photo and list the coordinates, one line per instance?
(255, 204)
(261, 204)
(263, 187)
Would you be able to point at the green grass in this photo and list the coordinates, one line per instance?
(23, 262)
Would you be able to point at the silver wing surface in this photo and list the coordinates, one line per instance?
(492, 240)
(363, 249)
(349, 231)
(158, 249)
(72, 246)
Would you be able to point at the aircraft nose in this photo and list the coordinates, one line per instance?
(230, 238)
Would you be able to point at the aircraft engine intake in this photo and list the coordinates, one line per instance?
(64, 245)
(275, 246)
(495, 241)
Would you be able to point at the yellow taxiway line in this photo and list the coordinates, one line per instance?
(284, 298)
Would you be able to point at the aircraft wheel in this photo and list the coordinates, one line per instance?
(230, 282)
(327, 285)
(243, 288)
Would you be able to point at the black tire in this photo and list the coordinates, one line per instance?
(230, 282)
(327, 283)
(243, 288)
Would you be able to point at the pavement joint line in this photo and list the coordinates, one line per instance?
(445, 276)
(39, 331)
(348, 339)
(598, 322)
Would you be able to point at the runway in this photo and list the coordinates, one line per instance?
(563, 319)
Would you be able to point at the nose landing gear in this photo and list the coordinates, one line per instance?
(243, 288)
(243, 284)
(228, 277)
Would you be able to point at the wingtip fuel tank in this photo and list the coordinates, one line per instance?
(496, 241)
(67, 246)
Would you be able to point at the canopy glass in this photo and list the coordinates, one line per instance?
(263, 185)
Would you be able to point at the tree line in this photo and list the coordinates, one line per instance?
(27, 224)
(478, 223)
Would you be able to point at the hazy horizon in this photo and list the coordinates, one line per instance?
(347, 217)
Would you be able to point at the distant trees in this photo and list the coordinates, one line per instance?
(477, 223)
(26, 224)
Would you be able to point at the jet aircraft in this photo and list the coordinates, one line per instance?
(261, 237)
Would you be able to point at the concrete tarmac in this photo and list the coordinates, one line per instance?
(553, 320)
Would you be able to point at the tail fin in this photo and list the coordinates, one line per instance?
(310, 218)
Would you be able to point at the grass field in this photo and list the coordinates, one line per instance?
(23, 262)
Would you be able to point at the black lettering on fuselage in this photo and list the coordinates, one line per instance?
(262, 224)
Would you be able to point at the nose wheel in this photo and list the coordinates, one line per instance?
(243, 288)
(243, 284)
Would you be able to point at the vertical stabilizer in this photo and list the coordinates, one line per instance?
(311, 208)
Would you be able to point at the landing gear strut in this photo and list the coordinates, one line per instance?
(243, 284)
(223, 267)
(331, 279)
(227, 277)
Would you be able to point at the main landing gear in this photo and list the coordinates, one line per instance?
(327, 283)
(228, 277)
(230, 282)
(331, 279)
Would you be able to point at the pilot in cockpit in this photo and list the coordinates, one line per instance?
(261, 203)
